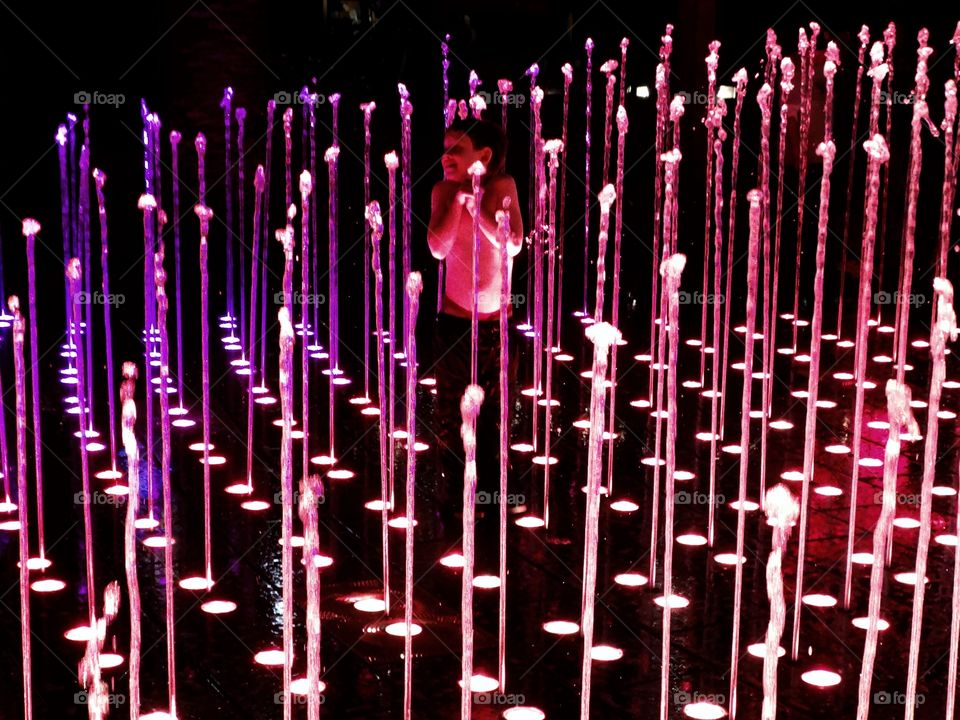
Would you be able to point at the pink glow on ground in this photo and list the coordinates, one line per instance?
(704, 711)
(195, 583)
(156, 541)
(269, 658)
(399, 629)
(486, 582)
(837, 449)
(81, 633)
(255, 505)
(906, 523)
(530, 522)
(821, 678)
(605, 653)
(481, 683)
(377, 505)
(819, 600)
(631, 579)
(524, 712)
(218, 607)
(828, 491)
(677, 602)
(453, 560)
(759, 650)
(47, 585)
(369, 605)
(400, 523)
(561, 627)
(861, 623)
(341, 474)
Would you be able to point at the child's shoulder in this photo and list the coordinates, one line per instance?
(501, 181)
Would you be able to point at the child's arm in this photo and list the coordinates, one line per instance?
(493, 196)
(445, 209)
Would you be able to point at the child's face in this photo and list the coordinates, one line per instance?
(459, 154)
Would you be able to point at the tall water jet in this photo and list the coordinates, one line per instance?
(877, 154)
(712, 60)
(93, 654)
(944, 330)
(864, 36)
(311, 494)
(828, 151)
(754, 198)
(30, 230)
(623, 125)
(413, 289)
(132, 450)
(162, 304)
(306, 188)
(330, 157)
(23, 534)
(469, 411)
(588, 46)
(740, 78)
(225, 103)
(671, 270)
(900, 416)
(602, 335)
(376, 227)
(562, 219)
(782, 510)
(367, 109)
(100, 179)
(286, 490)
(205, 214)
(716, 119)
(503, 233)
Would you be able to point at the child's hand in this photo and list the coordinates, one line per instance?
(468, 201)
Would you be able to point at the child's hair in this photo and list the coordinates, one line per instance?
(484, 134)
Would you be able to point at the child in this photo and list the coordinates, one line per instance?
(451, 239)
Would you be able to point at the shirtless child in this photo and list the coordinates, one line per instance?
(451, 239)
